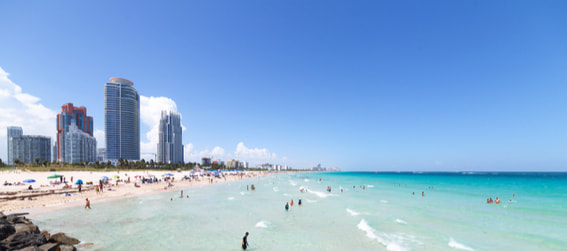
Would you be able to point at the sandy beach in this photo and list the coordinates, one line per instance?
(50, 193)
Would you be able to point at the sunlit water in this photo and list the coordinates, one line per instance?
(386, 215)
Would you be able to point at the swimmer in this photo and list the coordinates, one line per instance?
(422, 194)
(88, 204)
(497, 200)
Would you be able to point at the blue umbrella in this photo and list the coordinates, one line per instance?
(104, 177)
(168, 175)
(29, 181)
(79, 182)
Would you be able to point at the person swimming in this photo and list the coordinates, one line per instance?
(286, 206)
(497, 200)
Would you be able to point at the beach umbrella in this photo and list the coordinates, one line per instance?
(79, 181)
(104, 177)
(54, 176)
(29, 181)
(168, 174)
(116, 176)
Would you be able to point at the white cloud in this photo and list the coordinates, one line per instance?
(100, 138)
(150, 114)
(21, 109)
(254, 154)
(194, 155)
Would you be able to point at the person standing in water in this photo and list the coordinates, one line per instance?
(88, 204)
(245, 241)
(286, 206)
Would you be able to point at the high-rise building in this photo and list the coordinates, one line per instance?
(170, 146)
(12, 131)
(28, 147)
(121, 120)
(79, 145)
(71, 115)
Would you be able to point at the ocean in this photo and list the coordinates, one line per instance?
(374, 211)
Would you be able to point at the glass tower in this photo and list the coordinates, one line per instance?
(121, 120)
(12, 131)
(170, 146)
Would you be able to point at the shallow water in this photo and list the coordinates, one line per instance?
(453, 214)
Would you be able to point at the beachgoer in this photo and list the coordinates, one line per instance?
(181, 193)
(246, 187)
(30, 188)
(245, 241)
(487, 200)
(286, 206)
(97, 190)
(299, 202)
(71, 179)
(497, 200)
(291, 203)
(88, 204)
(80, 187)
(363, 187)
(422, 194)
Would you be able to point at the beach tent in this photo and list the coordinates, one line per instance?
(79, 181)
(29, 181)
(55, 176)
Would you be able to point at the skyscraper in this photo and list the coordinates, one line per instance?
(12, 131)
(121, 120)
(72, 115)
(170, 146)
(80, 146)
(27, 147)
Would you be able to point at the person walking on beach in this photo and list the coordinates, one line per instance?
(88, 204)
(245, 241)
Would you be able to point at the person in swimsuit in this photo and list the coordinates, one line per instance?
(245, 241)
(88, 204)
(286, 206)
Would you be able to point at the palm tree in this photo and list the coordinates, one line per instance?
(17, 161)
(37, 160)
(97, 163)
(45, 162)
(86, 162)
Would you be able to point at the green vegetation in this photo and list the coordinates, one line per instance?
(107, 166)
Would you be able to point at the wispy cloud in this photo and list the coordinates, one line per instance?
(18, 108)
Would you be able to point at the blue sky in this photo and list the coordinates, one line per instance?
(359, 85)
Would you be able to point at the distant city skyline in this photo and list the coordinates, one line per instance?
(369, 86)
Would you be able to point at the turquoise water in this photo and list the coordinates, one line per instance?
(453, 214)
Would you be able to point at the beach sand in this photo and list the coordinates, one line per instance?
(47, 196)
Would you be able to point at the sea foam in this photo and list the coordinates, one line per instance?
(352, 212)
(262, 224)
(319, 194)
(388, 241)
(454, 244)
(401, 221)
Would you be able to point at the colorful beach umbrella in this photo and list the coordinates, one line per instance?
(168, 174)
(54, 176)
(79, 181)
(104, 177)
(29, 181)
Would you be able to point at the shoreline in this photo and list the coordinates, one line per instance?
(48, 200)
